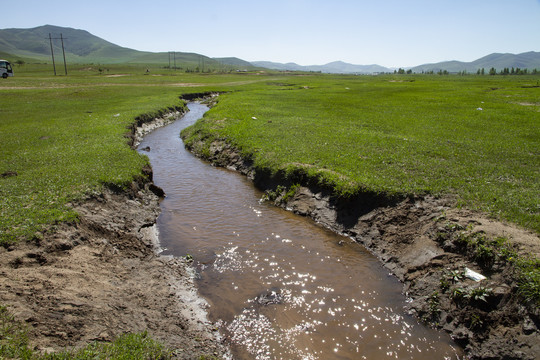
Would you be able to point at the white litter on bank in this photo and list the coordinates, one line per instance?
(473, 275)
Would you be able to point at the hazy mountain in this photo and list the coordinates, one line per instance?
(234, 61)
(278, 66)
(336, 67)
(528, 60)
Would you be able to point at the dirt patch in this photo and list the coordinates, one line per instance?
(420, 241)
(528, 104)
(101, 277)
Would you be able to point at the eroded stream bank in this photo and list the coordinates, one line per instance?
(100, 277)
(279, 286)
(428, 245)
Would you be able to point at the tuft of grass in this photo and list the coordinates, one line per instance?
(281, 193)
(529, 279)
(125, 347)
(14, 344)
(13, 337)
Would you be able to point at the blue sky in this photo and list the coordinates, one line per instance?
(393, 33)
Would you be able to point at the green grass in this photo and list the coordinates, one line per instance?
(14, 344)
(126, 347)
(64, 136)
(63, 143)
(13, 338)
(395, 135)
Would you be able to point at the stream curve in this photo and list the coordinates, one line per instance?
(279, 286)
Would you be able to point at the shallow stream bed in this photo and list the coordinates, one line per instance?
(279, 286)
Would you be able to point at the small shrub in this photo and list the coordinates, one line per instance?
(458, 294)
(485, 256)
(445, 284)
(479, 294)
(272, 195)
(456, 275)
(476, 322)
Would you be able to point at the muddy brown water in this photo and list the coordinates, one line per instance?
(278, 285)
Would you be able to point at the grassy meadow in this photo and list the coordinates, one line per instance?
(476, 137)
(63, 137)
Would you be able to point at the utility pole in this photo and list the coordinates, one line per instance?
(52, 53)
(174, 54)
(64, 52)
(169, 60)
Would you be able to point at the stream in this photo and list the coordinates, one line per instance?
(279, 286)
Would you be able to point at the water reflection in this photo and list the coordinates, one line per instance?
(279, 286)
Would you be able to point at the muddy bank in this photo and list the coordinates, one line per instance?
(102, 276)
(420, 241)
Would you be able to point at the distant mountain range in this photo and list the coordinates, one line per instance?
(528, 60)
(33, 45)
(336, 67)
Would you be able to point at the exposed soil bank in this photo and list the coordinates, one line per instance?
(418, 239)
(101, 277)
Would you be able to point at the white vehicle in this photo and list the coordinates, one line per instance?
(5, 69)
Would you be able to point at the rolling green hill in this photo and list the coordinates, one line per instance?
(83, 47)
(80, 45)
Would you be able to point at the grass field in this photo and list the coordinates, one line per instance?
(476, 137)
(63, 137)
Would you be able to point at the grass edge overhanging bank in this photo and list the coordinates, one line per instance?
(433, 269)
(15, 341)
